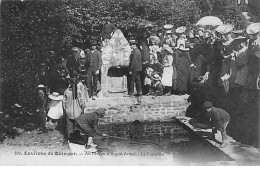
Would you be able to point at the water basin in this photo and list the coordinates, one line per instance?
(157, 141)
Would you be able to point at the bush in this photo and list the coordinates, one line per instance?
(30, 29)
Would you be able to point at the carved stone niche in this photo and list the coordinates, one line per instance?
(115, 56)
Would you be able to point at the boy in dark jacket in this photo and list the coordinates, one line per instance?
(88, 122)
(219, 120)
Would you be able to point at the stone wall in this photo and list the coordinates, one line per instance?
(148, 130)
(147, 108)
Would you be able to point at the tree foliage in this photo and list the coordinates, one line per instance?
(29, 29)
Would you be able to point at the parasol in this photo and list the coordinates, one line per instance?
(209, 21)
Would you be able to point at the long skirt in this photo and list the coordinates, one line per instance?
(183, 69)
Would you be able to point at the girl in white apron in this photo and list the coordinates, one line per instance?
(167, 70)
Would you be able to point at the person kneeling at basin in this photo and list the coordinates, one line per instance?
(219, 119)
(87, 123)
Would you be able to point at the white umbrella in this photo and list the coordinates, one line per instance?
(210, 21)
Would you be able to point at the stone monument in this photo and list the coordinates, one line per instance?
(116, 56)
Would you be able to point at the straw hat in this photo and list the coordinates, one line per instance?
(132, 41)
(168, 26)
(55, 96)
(181, 29)
(41, 86)
(156, 77)
(224, 29)
(253, 28)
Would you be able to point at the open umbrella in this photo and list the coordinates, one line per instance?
(209, 21)
(145, 24)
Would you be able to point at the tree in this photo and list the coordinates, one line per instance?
(30, 29)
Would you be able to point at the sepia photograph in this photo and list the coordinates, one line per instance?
(129, 83)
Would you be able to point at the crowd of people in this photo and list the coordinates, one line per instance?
(162, 62)
(220, 57)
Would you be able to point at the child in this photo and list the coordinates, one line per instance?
(156, 88)
(219, 120)
(148, 79)
(87, 123)
(154, 48)
(55, 107)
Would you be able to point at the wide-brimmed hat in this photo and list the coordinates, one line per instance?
(253, 28)
(241, 38)
(207, 104)
(201, 29)
(41, 86)
(181, 29)
(224, 29)
(55, 96)
(168, 26)
(156, 77)
(168, 49)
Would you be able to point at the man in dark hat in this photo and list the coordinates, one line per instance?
(94, 69)
(219, 120)
(135, 68)
(88, 124)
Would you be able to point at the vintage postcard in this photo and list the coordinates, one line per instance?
(129, 82)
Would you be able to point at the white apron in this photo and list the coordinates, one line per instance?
(56, 110)
(167, 76)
